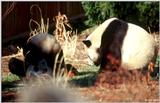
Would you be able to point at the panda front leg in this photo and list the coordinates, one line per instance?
(111, 58)
(16, 66)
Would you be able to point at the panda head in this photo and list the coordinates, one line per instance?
(126, 42)
(93, 42)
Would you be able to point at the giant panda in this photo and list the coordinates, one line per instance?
(118, 43)
(40, 54)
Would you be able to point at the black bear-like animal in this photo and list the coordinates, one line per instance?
(39, 56)
(40, 53)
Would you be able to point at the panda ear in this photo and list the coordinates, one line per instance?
(87, 43)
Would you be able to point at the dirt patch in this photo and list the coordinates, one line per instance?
(135, 92)
(80, 57)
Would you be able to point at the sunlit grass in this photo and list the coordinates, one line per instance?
(10, 78)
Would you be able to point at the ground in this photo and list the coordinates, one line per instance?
(85, 82)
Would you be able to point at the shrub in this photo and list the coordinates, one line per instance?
(149, 14)
(97, 12)
(144, 14)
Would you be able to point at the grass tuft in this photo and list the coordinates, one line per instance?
(42, 28)
(66, 36)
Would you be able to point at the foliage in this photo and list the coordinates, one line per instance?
(144, 14)
(97, 12)
(149, 14)
(10, 78)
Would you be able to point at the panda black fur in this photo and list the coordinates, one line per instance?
(41, 53)
(39, 56)
(120, 43)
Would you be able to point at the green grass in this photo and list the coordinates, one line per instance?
(155, 74)
(157, 61)
(10, 78)
(9, 82)
(86, 76)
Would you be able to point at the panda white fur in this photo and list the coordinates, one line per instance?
(129, 43)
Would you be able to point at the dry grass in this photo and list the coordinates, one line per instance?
(19, 53)
(42, 28)
(61, 33)
(133, 92)
(66, 36)
(60, 75)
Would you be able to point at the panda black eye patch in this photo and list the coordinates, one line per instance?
(87, 43)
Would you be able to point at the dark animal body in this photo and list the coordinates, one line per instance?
(39, 56)
(40, 53)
